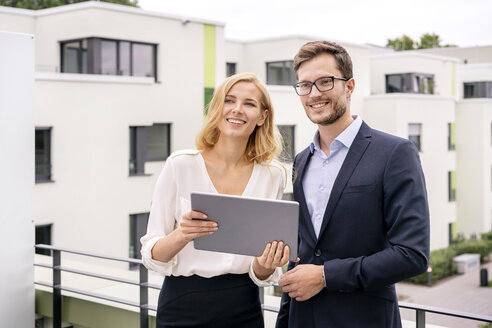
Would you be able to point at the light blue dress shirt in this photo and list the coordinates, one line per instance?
(322, 171)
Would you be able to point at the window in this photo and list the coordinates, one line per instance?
(280, 73)
(288, 138)
(478, 89)
(138, 228)
(148, 143)
(43, 154)
(74, 57)
(209, 93)
(108, 57)
(414, 134)
(451, 136)
(451, 186)
(288, 196)
(410, 83)
(230, 69)
(451, 228)
(43, 236)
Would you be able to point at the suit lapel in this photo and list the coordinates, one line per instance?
(300, 166)
(357, 149)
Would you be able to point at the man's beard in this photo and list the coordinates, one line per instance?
(338, 110)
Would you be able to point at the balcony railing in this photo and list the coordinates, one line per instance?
(144, 285)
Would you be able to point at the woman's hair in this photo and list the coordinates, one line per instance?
(264, 144)
(314, 48)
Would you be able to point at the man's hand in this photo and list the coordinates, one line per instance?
(303, 282)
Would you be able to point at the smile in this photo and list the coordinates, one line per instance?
(318, 105)
(235, 121)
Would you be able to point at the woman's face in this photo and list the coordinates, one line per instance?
(242, 111)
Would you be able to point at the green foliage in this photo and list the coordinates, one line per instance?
(482, 247)
(487, 236)
(441, 260)
(42, 4)
(427, 41)
(403, 43)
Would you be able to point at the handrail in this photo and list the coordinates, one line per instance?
(144, 307)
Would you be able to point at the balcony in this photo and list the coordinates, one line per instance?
(93, 294)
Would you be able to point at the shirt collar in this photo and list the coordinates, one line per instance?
(346, 137)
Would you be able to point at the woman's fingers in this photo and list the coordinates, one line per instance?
(286, 255)
(278, 252)
(274, 255)
(195, 224)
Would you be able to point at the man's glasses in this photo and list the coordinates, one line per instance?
(323, 84)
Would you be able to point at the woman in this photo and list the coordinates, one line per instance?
(236, 147)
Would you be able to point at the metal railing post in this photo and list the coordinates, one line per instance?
(144, 297)
(420, 319)
(262, 299)
(57, 298)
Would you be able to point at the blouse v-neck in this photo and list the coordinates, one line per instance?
(245, 191)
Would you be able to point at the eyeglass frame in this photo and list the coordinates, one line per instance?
(333, 78)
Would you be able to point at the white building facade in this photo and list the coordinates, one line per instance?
(116, 90)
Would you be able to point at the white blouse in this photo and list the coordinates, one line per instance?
(184, 172)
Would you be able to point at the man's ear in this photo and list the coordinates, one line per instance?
(349, 87)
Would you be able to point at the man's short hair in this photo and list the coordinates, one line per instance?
(314, 48)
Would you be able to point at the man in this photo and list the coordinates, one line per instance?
(364, 218)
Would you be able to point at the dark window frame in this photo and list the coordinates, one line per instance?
(288, 196)
(43, 177)
(451, 139)
(478, 89)
(38, 240)
(93, 45)
(416, 139)
(451, 190)
(288, 76)
(231, 69)
(416, 83)
(138, 148)
(136, 231)
(287, 155)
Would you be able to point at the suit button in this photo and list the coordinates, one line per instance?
(317, 252)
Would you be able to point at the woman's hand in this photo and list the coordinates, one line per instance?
(274, 255)
(195, 224)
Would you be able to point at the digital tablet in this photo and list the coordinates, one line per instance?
(247, 224)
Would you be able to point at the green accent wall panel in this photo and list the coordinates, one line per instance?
(209, 54)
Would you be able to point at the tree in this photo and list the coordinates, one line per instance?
(403, 43)
(427, 41)
(41, 4)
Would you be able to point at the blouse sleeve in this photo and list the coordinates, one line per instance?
(161, 219)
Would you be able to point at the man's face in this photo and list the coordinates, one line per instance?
(325, 108)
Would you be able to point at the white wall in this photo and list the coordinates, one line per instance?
(17, 179)
(92, 194)
(392, 113)
(474, 165)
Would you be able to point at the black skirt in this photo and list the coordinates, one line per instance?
(230, 300)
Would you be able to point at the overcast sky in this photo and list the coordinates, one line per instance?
(460, 22)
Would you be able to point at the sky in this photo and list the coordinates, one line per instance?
(459, 22)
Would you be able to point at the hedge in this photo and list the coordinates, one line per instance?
(441, 260)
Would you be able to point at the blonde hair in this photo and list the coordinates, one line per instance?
(264, 144)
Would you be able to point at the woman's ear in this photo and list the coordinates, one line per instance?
(263, 117)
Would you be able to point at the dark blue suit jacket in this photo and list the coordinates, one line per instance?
(375, 232)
